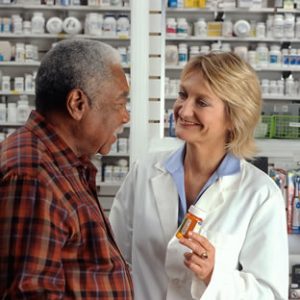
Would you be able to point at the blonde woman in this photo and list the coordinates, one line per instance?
(242, 250)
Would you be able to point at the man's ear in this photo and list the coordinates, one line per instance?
(77, 104)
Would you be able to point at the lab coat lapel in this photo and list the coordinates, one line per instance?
(166, 198)
(219, 192)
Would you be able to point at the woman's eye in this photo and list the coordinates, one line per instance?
(202, 103)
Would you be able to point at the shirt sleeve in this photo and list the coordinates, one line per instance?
(31, 239)
(263, 260)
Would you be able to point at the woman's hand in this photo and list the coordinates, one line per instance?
(202, 258)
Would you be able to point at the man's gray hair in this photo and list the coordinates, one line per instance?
(70, 64)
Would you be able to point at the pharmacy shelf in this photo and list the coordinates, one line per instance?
(19, 64)
(230, 39)
(66, 7)
(258, 69)
(33, 64)
(62, 36)
(16, 93)
(265, 97)
(278, 148)
(214, 10)
(10, 124)
(109, 184)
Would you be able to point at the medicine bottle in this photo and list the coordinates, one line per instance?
(262, 54)
(227, 28)
(194, 51)
(192, 222)
(289, 26)
(293, 57)
(265, 86)
(38, 23)
(297, 28)
(2, 112)
(109, 25)
(182, 54)
(171, 27)
(6, 84)
(23, 109)
(278, 26)
(182, 27)
(285, 57)
(12, 112)
(200, 27)
(269, 26)
(260, 30)
(275, 55)
(123, 26)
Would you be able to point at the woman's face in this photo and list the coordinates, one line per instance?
(200, 116)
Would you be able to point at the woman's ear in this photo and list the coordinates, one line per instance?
(77, 104)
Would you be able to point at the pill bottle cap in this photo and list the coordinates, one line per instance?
(197, 212)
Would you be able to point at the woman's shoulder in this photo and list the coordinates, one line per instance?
(256, 177)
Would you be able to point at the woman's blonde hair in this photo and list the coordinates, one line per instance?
(237, 85)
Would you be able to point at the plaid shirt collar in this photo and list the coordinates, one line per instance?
(62, 154)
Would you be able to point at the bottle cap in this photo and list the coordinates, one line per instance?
(242, 28)
(198, 212)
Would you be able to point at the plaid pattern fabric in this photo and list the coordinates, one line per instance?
(55, 241)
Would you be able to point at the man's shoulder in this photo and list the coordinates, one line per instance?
(21, 152)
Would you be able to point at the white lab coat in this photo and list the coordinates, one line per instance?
(246, 223)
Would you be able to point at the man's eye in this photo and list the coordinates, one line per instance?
(181, 95)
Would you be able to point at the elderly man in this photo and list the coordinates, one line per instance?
(55, 241)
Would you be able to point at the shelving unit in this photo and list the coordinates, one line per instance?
(44, 42)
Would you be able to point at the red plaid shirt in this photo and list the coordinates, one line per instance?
(55, 241)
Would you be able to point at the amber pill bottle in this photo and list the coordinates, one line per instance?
(192, 222)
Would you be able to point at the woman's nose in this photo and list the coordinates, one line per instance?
(187, 107)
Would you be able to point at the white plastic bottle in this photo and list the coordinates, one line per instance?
(20, 52)
(200, 28)
(123, 26)
(293, 57)
(109, 25)
(194, 51)
(226, 47)
(278, 28)
(182, 54)
(265, 86)
(23, 109)
(262, 54)
(289, 26)
(260, 30)
(269, 26)
(280, 85)
(2, 112)
(275, 55)
(171, 28)
(290, 86)
(91, 26)
(227, 28)
(38, 23)
(285, 58)
(12, 112)
(252, 60)
(297, 28)
(6, 87)
(273, 88)
(182, 27)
